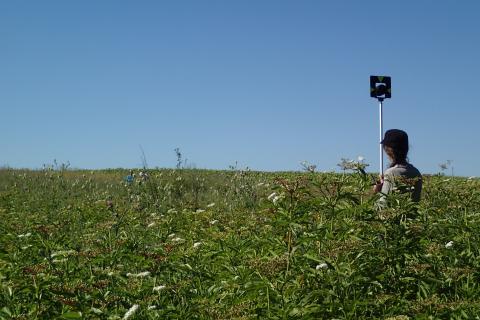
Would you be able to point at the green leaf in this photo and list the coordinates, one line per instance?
(7, 311)
(308, 256)
(96, 311)
(72, 315)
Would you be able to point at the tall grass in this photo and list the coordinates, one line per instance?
(237, 244)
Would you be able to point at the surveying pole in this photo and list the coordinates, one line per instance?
(380, 120)
(380, 88)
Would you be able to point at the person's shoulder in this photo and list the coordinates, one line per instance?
(413, 170)
(391, 171)
(403, 170)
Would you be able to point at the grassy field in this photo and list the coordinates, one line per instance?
(197, 244)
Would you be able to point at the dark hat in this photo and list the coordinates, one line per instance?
(395, 138)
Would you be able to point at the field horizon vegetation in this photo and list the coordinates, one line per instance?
(235, 244)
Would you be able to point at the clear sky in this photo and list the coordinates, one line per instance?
(265, 83)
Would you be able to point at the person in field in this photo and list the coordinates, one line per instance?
(401, 176)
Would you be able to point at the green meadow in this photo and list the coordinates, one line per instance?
(235, 244)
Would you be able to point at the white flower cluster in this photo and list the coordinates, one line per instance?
(159, 288)
(131, 311)
(26, 235)
(449, 244)
(62, 253)
(59, 260)
(177, 240)
(197, 245)
(321, 266)
(274, 197)
(138, 275)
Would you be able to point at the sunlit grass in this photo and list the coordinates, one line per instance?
(199, 244)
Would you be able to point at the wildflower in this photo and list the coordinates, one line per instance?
(199, 211)
(131, 311)
(196, 245)
(177, 239)
(24, 235)
(151, 225)
(138, 275)
(213, 222)
(276, 199)
(322, 265)
(271, 196)
(171, 235)
(153, 307)
(211, 205)
(159, 288)
(449, 244)
(62, 253)
(308, 167)
(400, 317)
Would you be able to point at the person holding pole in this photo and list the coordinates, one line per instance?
(401, 176)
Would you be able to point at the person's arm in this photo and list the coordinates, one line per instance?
(388, 184)
(377, 187)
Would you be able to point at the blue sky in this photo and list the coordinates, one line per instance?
(266, 84)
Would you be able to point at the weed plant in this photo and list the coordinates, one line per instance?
(236, 244)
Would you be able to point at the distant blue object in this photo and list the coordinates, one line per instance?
(129, 179)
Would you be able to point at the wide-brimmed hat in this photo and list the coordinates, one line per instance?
(395, 138)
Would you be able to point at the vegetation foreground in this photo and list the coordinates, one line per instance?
(197, 244)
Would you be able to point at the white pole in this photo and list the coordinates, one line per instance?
(381, 136)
